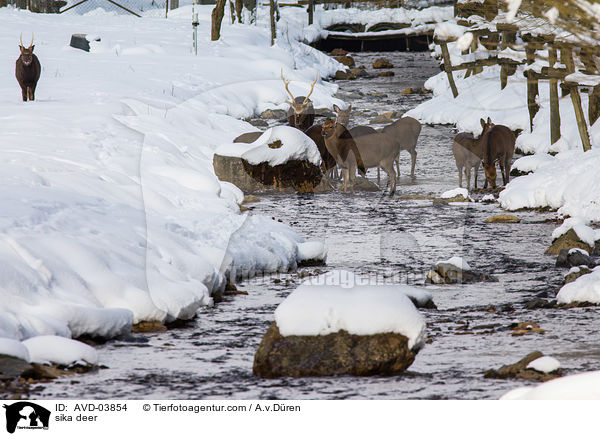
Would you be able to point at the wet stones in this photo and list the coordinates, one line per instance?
(575, 273)
(273, 114)
(567, 241)
(523, 328)
(524, 369)
(346, 60)
(343, 75)
(448, 273)
(503, 218)
(382, 63)
(333, 354)
(338, 52)
(148, 327)
(386, 74)
(12, 367)
(574, 257)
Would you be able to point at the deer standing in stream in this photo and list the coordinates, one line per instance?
(27, 70)
(496, 143)
(372, 150)
(301, 113)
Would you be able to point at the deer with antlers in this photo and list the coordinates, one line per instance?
(27, 70)
(301, 113)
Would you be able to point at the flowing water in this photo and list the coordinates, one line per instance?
(392, 239)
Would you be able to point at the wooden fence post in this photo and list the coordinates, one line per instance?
(594, 104)
(581, 126)
(448, 67)
(532, 88)
(311, 10)
(554, 109)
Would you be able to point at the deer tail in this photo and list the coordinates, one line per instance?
(359, 162)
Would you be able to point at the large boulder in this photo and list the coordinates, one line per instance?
(332, 354)
(341, 323)
(567, 241)
(282, 159)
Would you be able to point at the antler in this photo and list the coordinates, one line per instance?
(312, 87)
(286, 87)
(21, 40)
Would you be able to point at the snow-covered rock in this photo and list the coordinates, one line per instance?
(59, 350)
(338, 323)
(339, 301)
(545, 364)
(312, 251)
(586, 289)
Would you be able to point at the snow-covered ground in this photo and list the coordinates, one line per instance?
(111, 213)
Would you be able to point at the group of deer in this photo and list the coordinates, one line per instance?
(495, 144)
(358, 148)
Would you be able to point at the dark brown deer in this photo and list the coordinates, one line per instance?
(498, 146)
(27, 70)
(301, 113)
(370, 150)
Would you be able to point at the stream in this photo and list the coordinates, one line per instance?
(394, 239)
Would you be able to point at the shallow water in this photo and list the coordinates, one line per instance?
(392, 239)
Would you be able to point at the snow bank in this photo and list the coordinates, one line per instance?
(545, 364)
(528, 164)
(585, 386)
(294, 145)
(59, 350)
(569, 183)
(458, 262)
(111, 212)
(586, 289)
(335, 301)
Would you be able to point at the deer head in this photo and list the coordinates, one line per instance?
(343, 115)
(299, 106)
(328, 127)
(489, 165)
(26, 52)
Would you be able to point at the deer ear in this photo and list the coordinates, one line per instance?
(336, 108)
(32, 47)
(489, 120)
(482, 121)
(349, 107)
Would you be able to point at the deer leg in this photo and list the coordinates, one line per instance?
(389, 169)
(476, 171)
(507, 169)
(413, 159)
(31, 93)
(460, 175)
(378, 176)
(346, 176)
(24, 92)
(501, 164)
(468, 174)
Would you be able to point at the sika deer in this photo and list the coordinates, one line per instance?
(370, 150)
(498, 146)
(27, 70)
(468, 153)
(405, 133)
(301, 113)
